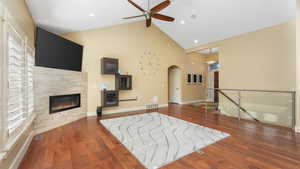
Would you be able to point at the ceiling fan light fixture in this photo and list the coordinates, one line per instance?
(152, 13)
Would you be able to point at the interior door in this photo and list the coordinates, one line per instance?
(210, 93)
(216, 86)
(174, 86)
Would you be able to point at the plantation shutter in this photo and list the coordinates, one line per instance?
(29, 81)
(16, 81)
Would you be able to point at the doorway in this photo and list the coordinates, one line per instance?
(174, 85)
(213, 83)
(216, 86)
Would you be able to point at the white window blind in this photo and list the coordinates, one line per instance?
(16, 82)
(29, 81)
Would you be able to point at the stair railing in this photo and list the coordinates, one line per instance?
(244, 110)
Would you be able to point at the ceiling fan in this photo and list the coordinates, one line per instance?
(152, 13)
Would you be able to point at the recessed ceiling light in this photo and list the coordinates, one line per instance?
(194, 16)
(196, 41)
(91, 14)
(182, 22)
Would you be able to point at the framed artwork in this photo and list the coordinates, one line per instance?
(195, 78)
(189, 78)
(200, 78)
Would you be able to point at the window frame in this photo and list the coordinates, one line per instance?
(8, 25)
(2, 83)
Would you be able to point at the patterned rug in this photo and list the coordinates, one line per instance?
(156, 139)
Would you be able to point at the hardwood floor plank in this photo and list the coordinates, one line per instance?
(86, 144)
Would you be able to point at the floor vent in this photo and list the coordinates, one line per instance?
(200, 152)
(151, 106)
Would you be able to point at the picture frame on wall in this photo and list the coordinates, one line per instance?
(195, 78)
(189, 78)
(200, 78)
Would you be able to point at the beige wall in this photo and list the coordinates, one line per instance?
(212, 57)
(18, 9)
(21, 16)
(131, 44)
(198, 65)
(264, 59)
(298, 66)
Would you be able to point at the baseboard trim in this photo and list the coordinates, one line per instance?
(19, 157)
(297, 129)
(123, 110)
(193, 101)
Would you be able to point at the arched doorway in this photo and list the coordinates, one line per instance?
(174, 84)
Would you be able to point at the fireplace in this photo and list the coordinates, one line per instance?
(64, 102)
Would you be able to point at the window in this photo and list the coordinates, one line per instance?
(29, 81)
(17, 84)
(214, 66)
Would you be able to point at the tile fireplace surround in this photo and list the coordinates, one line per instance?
(54, 82)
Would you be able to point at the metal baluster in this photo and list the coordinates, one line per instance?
(294, 110)
(239, 101)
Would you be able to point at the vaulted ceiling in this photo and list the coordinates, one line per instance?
(197, 21)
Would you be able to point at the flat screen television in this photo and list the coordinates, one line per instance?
(53, 51)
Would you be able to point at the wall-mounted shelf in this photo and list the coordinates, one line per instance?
(109, 66)
(123, 82)
(110, 98)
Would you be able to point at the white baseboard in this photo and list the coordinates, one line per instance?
(123, 110)
(297, 129)
(19, 157)
(193, 101)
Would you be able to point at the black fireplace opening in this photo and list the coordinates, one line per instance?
(64, 102)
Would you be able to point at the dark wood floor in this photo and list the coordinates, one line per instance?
(85, 144)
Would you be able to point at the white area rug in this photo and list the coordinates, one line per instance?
(156, 139)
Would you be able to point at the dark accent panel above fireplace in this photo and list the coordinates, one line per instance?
(64, 102)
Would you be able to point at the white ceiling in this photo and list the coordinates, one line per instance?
(215, 19)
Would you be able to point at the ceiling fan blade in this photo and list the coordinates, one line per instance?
(160, 6)
(163, 17)
(148, 22)
(137, 6)
(133, 17)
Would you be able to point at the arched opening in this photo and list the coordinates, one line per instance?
(174, 84)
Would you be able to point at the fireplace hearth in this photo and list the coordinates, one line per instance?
(64, 102)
